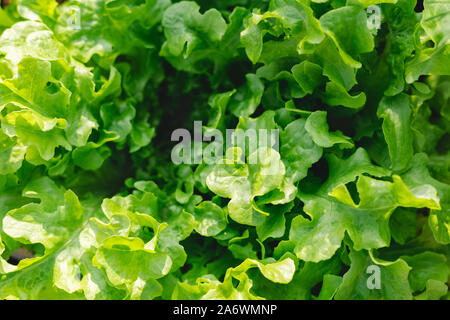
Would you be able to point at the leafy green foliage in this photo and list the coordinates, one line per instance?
(350, 200)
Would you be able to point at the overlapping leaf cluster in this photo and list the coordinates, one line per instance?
(90, 92)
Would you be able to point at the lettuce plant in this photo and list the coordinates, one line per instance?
(350, 200)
